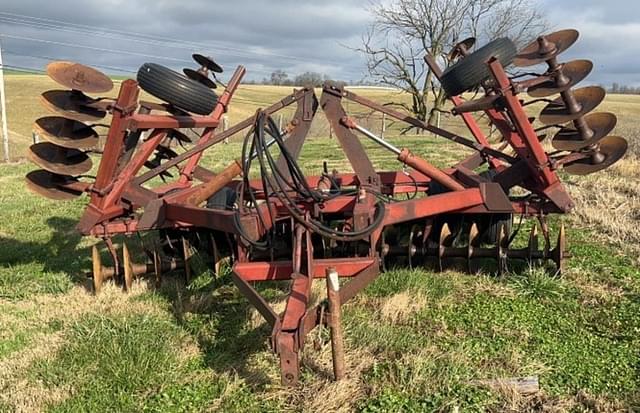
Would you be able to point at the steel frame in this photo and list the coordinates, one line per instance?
(119, 191)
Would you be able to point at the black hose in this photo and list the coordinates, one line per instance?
(280, 184)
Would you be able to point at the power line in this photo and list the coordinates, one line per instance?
(101, 49)
(94, 30)
(107, 35)
(24, 69)
(142, 37)
(119, 69)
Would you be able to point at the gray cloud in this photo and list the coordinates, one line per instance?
(291, 35)
(609, 36)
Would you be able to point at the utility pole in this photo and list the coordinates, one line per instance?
(3, 103)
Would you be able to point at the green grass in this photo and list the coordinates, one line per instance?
(417, 340)
(127, 364)
(469, 328)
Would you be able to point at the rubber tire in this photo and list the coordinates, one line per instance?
(176, 89)
(472, 70)
(223, 199)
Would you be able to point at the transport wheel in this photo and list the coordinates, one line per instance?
(176, 89)
(223, 199)
(472, 70)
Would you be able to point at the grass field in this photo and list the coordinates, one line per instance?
(416, 340)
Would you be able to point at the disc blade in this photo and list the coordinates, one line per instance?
(532, 55)
(54, 186)
(59, 160)
(474, 235)
(79, 77)
(98, 276)
(474, 242)
(157, 265)
(128, 267)
(444, 241)
(207, 62)
(446, 238)
(575, 72)
(72, 105)
(533, 244)
(559, 252)
(557, 112)
(67, 133)
(465, 45)
(569, 138)
(612, 147)
(501, 250)
(186, 251)
(199, 77)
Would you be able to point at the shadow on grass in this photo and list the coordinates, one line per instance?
(220, 319)
(50, 266)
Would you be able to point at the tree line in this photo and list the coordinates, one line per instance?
(308, 79)
(624, 89)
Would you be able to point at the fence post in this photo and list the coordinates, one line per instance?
(35, 137)
(384, 126)
(225, 126)
(3, 103)
(335, 322)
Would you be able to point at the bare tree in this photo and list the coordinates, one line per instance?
(403, 31)
(279, 77)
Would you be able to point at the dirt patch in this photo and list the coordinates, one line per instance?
(401, 306)
(22, 394)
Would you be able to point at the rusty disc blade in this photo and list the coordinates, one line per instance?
(466, 44)
(128, 267)
(72, 105)
(59, 160)
(199, 77)
(207, 62)
(569, 138)
(575, 72)
(54, 186)
(98, 278)
(612, 147)
(559, 255)
(79, 77)
(67, 133)
(557, 112)
(532, 55)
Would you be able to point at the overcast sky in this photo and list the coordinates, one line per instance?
(293, 35)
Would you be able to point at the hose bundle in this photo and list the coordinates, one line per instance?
(290, 187)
